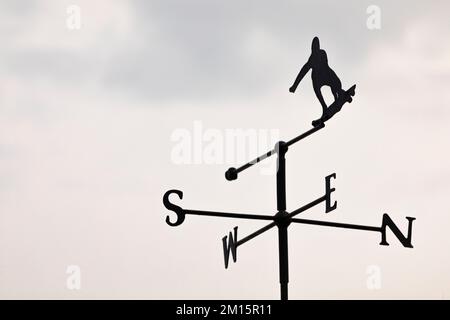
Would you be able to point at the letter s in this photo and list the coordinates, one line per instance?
(170, 206)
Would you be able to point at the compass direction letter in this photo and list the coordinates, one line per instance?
(230, 245)
(170, 206)
(387, 222)
(328, 191)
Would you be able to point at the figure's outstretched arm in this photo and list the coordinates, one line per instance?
(300, 76)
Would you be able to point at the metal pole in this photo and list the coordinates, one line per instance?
(281, 220)
(232, 173)
(284, 261)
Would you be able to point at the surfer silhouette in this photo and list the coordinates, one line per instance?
(323, 75)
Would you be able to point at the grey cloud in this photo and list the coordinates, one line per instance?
(198, 50)
(58, 65)
(203, 54)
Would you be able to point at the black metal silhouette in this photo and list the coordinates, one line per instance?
(282, 218)
(323, 75)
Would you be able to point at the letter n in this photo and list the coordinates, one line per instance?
(230, 245)
(387, 222)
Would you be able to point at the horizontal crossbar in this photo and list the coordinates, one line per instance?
(336, 224)
(228, 215)
(273, 224)
(232, 173)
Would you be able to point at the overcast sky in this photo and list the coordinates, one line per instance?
(87, 118)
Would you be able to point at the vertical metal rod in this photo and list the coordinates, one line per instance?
(284, 264)
(281, 149)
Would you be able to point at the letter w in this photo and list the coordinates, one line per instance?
(387, 222)
(231, 245)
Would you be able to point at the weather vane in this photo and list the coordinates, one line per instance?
(322, 75)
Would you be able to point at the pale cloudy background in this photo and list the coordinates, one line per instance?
(86, 118)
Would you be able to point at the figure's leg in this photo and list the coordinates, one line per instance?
(335, 85)
(335, 93)
(321, 100)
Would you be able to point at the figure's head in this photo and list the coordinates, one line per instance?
(315, 46)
